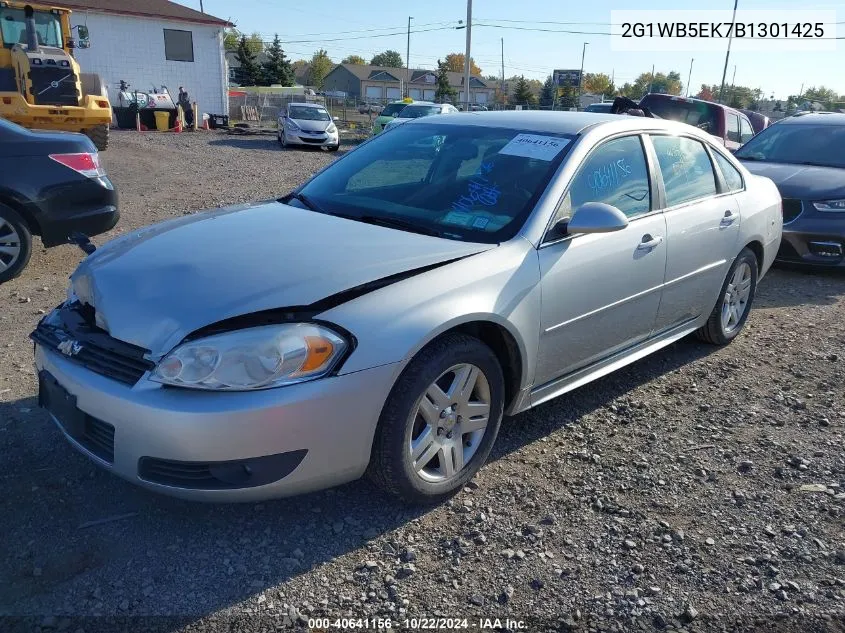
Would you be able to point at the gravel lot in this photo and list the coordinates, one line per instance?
(696, 489)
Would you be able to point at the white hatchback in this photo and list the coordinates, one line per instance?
(307, 124)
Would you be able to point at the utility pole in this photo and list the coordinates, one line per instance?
(581, 76)
(727, 54)
(201, 9)
(733, 82)
(689, 79)
(503, 73)
(466, 61)
(408, 59)
(651, 79)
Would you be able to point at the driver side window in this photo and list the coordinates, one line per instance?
(615, 173)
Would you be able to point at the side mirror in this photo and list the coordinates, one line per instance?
(596, 217)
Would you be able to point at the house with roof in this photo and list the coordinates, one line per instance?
(382, 83)
(154, 43)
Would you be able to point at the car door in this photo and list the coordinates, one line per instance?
(702, 221)
(601, 292)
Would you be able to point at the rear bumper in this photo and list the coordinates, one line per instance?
(815, 241)
(87, 205)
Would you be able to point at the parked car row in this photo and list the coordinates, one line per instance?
(469, 269)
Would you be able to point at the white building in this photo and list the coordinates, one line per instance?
(150, 43)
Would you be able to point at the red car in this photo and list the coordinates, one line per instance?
(727, 124)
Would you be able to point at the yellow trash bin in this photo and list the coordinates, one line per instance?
(162, 120)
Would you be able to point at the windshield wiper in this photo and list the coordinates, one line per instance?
(308, 202)
(396, 223)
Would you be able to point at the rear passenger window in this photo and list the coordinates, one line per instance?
(733, 179)
(733, 127)
(615, 173)
(686, 168)
(746, 132)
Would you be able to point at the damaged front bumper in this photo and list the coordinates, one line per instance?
(205, 445)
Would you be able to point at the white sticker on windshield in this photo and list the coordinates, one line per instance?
(535, 146)
(458, 217)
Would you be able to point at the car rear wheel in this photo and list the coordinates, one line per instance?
(440, 421)
(734, 304)
(15, 244)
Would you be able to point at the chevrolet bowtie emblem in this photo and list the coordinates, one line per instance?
(70, 347)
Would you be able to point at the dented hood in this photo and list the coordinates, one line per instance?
(156, 285)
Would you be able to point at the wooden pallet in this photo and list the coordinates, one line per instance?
(250, 113)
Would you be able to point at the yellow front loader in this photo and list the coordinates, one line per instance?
(41, 85)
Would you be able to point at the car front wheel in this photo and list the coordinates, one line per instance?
(440, 421)
(734, 304)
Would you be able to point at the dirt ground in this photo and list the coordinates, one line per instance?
(698, 489)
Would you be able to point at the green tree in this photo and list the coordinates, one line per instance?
(599, 84)
(547, 94)
(354, 59)
(456, 62)
(707, 93)
(827, 97)
(522, 94)
(249, 73)
(444, 91)
(255, 43)
(277, 68)
(388, 58)
(231, 37)
(660, 83)
(321, 65)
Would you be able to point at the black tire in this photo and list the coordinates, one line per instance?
(713, 331)
(390, 466)
(24, 242)
(334, 148)
(99, 134)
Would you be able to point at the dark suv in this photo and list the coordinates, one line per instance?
(727, 124)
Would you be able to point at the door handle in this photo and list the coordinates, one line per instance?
(649, 242)
(728, 218)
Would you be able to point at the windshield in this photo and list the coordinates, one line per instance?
(598, 107)
(393, 108)
(308, 114)
(803, 143)
(702, 115)
(48, 29)
(417, 111)
(467, 183)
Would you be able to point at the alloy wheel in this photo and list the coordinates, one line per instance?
(735, 301)
(449, 423)
(10, 245)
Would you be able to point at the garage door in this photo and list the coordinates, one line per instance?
(428, 95)
(373, 92)
(481, 97)
(394, 93)
(415, 93)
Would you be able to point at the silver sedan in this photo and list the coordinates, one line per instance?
(384, 316)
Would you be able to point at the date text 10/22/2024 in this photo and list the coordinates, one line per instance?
(422, 624)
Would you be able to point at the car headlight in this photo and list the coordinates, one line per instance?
(253, 358)
(830, 205)
(292, 126)
(332, 129)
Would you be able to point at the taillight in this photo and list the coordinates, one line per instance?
(86, 164)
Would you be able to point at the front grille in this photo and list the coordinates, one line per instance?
(98, 437)
(54, 86)
(95, 349)
(312, 140)
(791, 209)
(180, 474)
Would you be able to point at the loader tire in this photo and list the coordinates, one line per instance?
(100, 135)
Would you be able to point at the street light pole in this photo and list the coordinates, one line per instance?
(408, 59)
(727, 54)
(466, 61)
(581, 76)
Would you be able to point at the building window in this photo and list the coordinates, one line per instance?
(178, 45)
